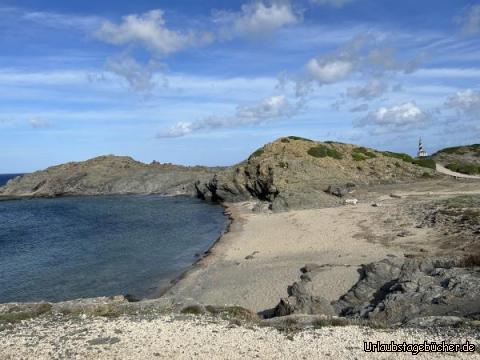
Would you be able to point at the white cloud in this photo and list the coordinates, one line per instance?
(256, 19)
(271, 108)
(398, 117)
(139, 77)
(364, 55)
(373, 89)
(334, 3)
(38, 123)
(149, 30)
(466, 102)
(470, 20)
(329, 71)
(55, 20)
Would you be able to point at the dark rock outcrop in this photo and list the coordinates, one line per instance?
(396, 291)
(301, 301)
(340, 190)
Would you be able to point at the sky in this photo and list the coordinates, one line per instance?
(208, 82)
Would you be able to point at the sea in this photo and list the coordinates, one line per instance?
(78, 247)
(5, 177)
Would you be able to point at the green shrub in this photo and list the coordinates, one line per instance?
(284, 140)
(397, 164)
(401, 156)
(365, 152)
(359, 156)
(460, 150)
(464, 168)
(427, 163)
(320, 151)
(257, 152)
(299, 138)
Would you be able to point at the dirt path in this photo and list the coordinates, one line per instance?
(442, 169)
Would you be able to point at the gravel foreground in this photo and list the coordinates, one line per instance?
(199, 337)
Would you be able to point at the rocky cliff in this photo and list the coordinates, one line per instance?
(292, 172)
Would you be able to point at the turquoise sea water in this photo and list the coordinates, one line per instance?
(66, 248)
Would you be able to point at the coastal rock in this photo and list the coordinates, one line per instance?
(340, 190)
(398, 293)
(106, 175)
(301, 301)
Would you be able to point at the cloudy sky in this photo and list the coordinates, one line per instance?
(207, 82)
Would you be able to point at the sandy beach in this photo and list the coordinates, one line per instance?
(262, 254)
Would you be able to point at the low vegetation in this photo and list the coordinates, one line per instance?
(256, 153)
(425, 162)
(461, 150)
(401, 156)
(361, 153)
(464, 168)
(321, 151)
(299, 138)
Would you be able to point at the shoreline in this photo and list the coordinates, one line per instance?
(228, 213)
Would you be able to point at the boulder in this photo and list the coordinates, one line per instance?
(340, 190)
(300, 300)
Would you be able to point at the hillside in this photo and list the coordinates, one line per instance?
(290, 172)
(464, 159)
(293, 172)
(107, 175)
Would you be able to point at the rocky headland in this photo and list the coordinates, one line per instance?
(289, 173)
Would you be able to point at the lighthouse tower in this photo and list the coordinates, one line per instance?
(421, 152)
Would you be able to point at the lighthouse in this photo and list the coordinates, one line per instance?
(421, 152)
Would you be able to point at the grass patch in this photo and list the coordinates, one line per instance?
(193, 310)
(233, 312)
(256, 153)
(460, 150)
(18, 313)
(361, 153)
(427, 163)
(401, 156)
(464, 168)
(321, 151)
(299, 138)
(359, 156)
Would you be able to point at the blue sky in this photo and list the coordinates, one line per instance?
(208, 82)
